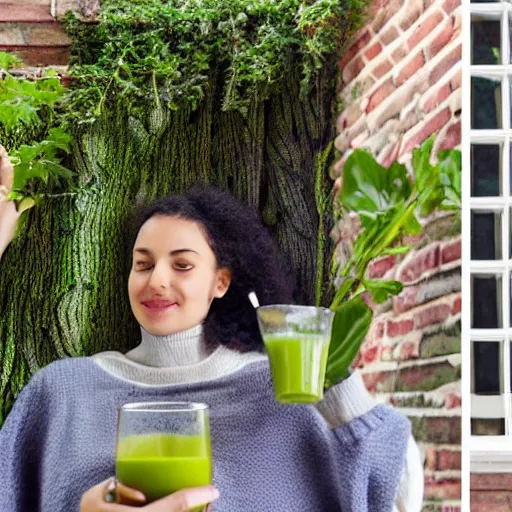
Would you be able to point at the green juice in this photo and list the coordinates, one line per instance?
(297, 362)
(160, 464)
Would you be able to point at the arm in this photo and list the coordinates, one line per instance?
(350, 401)
(8, 214)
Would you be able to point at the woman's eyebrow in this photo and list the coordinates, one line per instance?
(143, 250)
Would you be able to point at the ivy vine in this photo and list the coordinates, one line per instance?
(169, 53)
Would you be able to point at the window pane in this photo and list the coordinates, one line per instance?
(485, 170)
(485, 40)
(486, 235)
(486, 302)
(488, 427)
(485, 103)
(486, 361)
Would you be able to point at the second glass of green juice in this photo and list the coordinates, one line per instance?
(297, 342)
(163, 447)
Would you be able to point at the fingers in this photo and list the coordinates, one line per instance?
(185, 500)
(6, 169)
(128, 496)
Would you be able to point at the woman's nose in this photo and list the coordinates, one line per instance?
(160, 277)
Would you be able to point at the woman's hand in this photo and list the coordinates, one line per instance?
(8, 214)
(128, 499)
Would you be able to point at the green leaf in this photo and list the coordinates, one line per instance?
(25, 204)
(381, 290)
(400, 249)
(370, 189)
(351, 323)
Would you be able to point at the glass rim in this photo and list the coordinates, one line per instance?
(164, 407)
(307, 308)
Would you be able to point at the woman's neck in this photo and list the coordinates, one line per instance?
(178, 349)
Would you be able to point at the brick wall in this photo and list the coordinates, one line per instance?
(400, 83)
(491, 492)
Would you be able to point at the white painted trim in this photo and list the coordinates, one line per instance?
(53, 8)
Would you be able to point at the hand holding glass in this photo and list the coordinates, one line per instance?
(163, 447)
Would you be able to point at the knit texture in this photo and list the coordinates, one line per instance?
(59, 440)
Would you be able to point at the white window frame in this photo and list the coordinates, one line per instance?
(490, 453)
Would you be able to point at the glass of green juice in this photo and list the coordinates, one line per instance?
(163, 447)
(297, 342)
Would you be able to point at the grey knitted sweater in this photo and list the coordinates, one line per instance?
(59, 440)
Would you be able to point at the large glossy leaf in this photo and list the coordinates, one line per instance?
(351, 323)
(370, 189)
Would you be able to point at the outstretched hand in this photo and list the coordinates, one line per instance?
(8, 214)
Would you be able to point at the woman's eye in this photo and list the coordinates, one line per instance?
(142, 265)
(182, 266)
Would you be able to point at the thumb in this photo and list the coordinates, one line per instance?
(184, 500)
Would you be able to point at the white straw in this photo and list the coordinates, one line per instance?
(254, 300)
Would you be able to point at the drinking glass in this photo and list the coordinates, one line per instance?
(297, 342)
(163, 447)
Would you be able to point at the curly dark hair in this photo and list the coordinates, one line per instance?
(242, 244)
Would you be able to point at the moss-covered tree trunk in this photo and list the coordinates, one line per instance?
(63, 280)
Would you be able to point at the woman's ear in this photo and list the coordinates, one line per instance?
(223, 282)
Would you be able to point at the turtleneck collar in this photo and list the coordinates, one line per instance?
(179, 349)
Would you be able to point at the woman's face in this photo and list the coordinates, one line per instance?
(174, 276)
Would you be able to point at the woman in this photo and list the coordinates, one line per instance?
(195, 259)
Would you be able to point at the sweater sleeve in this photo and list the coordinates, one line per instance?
(348, 405)
(21, 438)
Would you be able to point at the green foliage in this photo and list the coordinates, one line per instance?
(149, 52)
(24, 105)
(389, 204)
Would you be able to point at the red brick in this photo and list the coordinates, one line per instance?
(432, 125)
(408, 350)
(452, 137)
(457, 306)
(448, 489)
(379, 267)
(352, 69)
(371, 355)
(437, 459)
(382, 69)
(450, 5)
(378, 331)
(379, 20)
(361, 42)
(387, 158)
(445, 65)
(399, 328)
(436, 98)
(414, 11)
(410, 68)
(452, 400)
(441, 40)
(490, 501)
(399, 53)
(449, 460)
(451, 252)
(432, 315)
(491, 481)
(390, 35)
(373, 51)
(12, 13)
(385, 90)
(379, 381)
(425, 28)
(406, 300)
(420, 262)
(351, 114)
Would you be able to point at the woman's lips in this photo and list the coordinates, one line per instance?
(158, 305)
